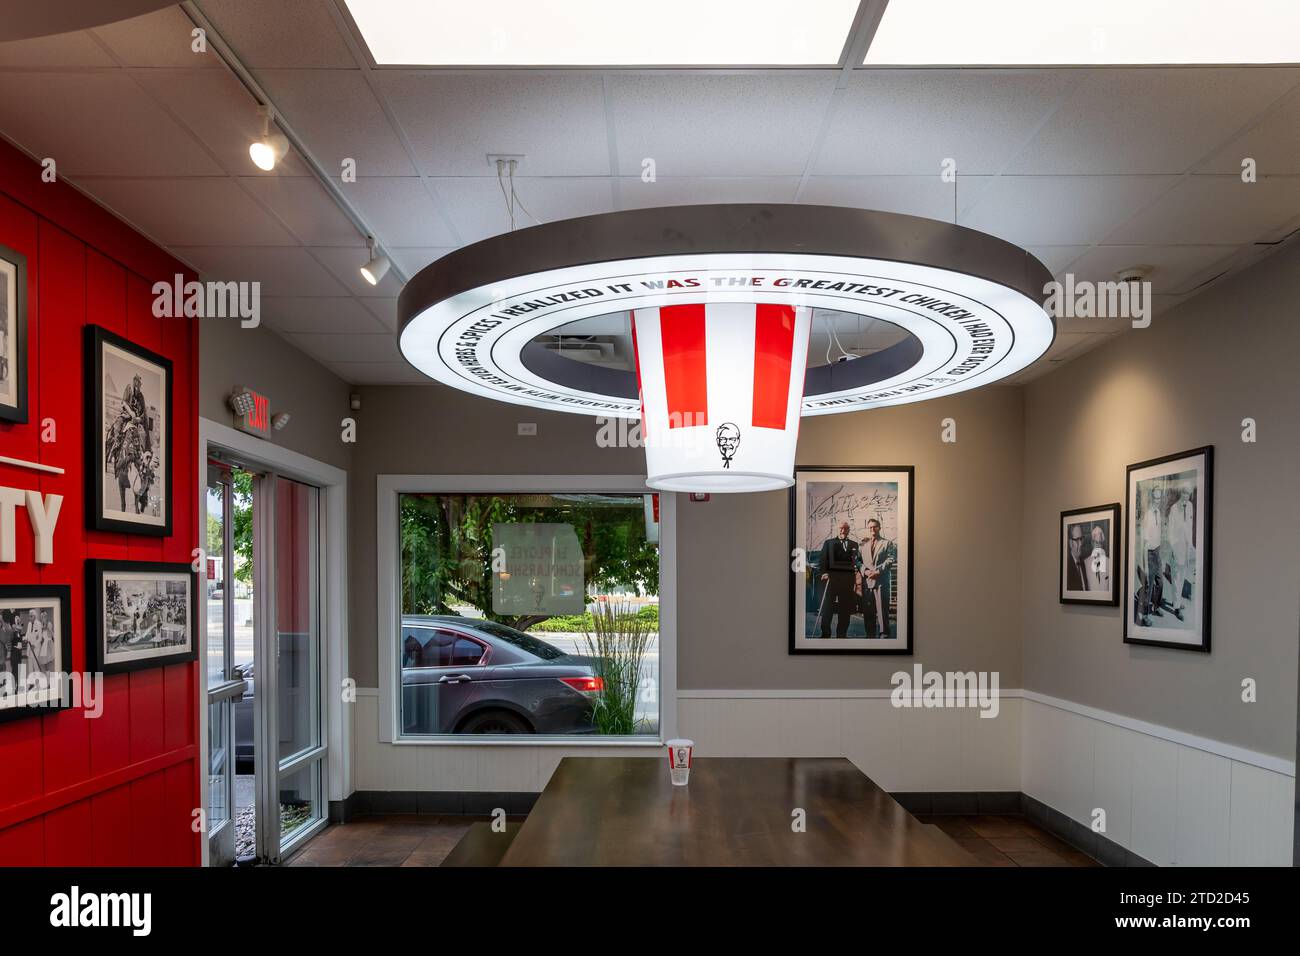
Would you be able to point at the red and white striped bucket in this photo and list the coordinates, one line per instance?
(721, 392)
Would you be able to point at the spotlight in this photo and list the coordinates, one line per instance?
(376, 266)
(240, 401)
(278, 422)
(271, 148)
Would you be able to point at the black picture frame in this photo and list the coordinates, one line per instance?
(96, 621)
(1111, 599)
(97, 339)
(1134, 631)
(905, 647)
(16, 593)
(15, 412)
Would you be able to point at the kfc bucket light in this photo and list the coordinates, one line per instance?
(721, 300)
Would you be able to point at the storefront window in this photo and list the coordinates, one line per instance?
(529, 614)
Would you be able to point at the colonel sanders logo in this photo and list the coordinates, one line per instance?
(728, 437)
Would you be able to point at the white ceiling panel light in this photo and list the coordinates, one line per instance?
(600, 33)
(1111, 32)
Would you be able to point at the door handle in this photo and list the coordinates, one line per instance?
(457, 679)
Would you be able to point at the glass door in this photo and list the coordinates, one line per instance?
(290, 751)
(225, 689)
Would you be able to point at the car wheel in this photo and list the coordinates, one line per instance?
(495, 722)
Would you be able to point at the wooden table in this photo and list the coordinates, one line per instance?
(737, 811)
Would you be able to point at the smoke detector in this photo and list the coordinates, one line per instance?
(1134, 274)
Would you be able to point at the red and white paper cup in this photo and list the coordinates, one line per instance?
(679, 761)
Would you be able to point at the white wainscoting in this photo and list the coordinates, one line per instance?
(1171, 798)
(525, 768)
(901, 749)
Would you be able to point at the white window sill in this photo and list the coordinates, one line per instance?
(528, 741)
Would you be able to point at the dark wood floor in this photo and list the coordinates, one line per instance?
(426, 840)
(1009, 841)
(400, 840)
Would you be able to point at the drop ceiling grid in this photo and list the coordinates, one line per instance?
(1004, 125)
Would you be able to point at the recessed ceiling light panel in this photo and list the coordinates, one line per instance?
(604, 32)
(1112, 32)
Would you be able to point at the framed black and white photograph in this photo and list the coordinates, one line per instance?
(35, 649)
(1167, 558)
(855, 528)
(13, 335)
(128, 436)
(140, 614)
(1089, 547)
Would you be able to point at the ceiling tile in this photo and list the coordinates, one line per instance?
(62, 50)
(379, 373)
(190, 212)
(1150, 120)
(158, 39)
(749, 124)
(400, 211)
(412, 260)
(306, 208)
(97, 124)
(338, 118)
(345, 265)
(1173, 269)
(892, 122)
(1055, 210)
(478, 207)
(221, 113)
(349, 348)
(1056, 258)
(454, 120)
(1217, 209)
(287, 33)
(332, 315)
(282, 271)
(1274, 144)
(383, 309)
(927, 196)
(633, 193)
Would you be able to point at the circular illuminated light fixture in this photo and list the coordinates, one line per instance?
(721, 301)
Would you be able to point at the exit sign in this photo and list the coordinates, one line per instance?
(257, 421)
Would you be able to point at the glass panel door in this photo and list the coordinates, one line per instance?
(290, 738)
(298, 676)
(222, 690)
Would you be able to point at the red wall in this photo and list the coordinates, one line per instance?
(119, 790)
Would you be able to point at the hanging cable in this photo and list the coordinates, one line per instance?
(510, 209)
(514, 197)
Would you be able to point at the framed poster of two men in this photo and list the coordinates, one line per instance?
(854, 526)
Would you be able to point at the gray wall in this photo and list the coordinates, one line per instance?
(733, 553)
(315, 398)
(1187, 381)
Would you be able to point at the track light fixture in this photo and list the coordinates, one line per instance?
(271, 148)
(376, 266)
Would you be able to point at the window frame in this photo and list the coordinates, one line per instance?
(388, 599)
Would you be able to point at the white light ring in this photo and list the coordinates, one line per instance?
(1001, 287)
